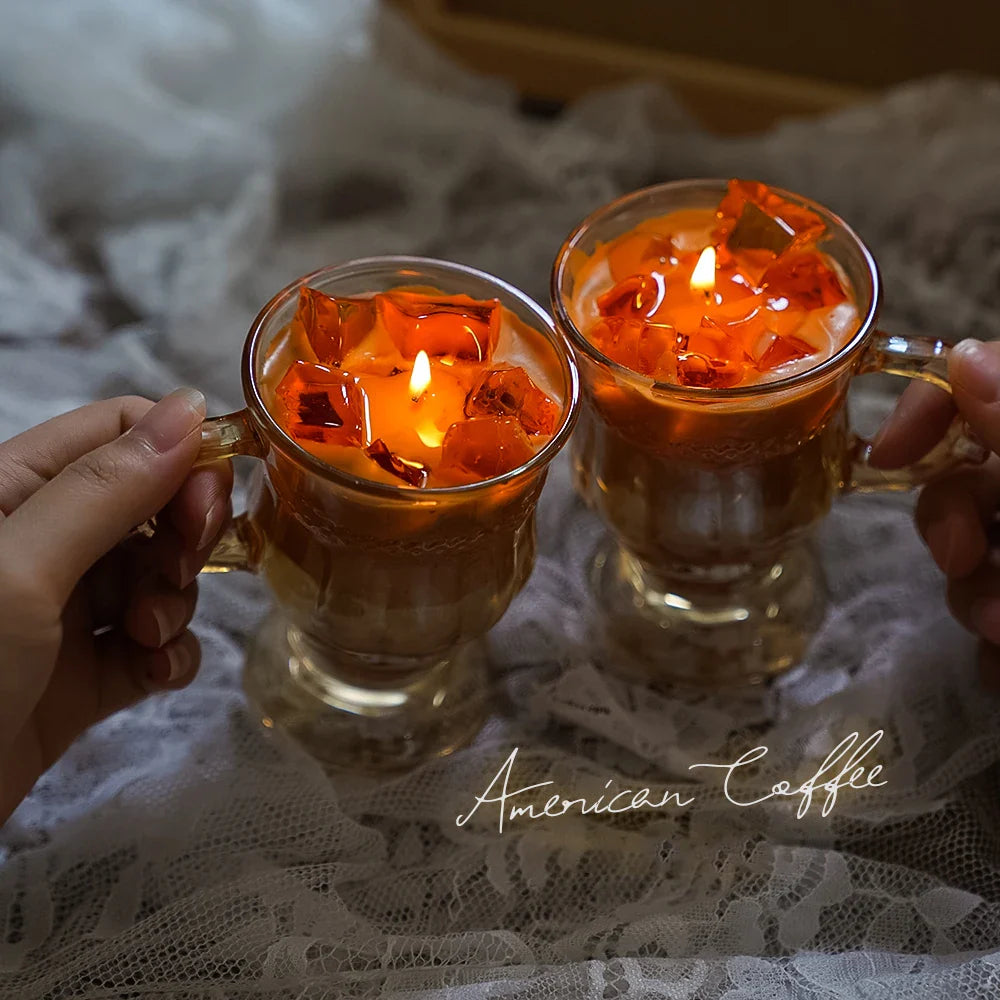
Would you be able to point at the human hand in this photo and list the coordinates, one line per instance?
(957, 514)
(92, 621)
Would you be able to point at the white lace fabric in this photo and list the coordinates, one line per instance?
(161, 178)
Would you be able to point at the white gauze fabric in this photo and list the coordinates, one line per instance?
(163, 169)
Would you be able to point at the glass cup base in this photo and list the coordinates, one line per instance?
(706, 633)
(389, 725)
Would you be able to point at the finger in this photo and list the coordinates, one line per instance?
(128, 673)
(115, 581)
(168, 555)
(201, 506)
(159, 613)
(174, 665)
(952, 513)
(920, 419)
(974, 373)
(975, 602)
(124, 674)
(29, 460)
(57, 534)
(108, 587)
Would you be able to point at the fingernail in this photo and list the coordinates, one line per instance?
(171, 420)
(213, 521)
(180, 661)
(976, 370)
(162, 625)
(171, 666)
(985, 617)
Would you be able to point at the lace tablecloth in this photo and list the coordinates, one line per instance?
(160, 176)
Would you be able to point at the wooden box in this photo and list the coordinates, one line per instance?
(737, 66)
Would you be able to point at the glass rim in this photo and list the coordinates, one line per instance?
(836, 360)
(360, 266)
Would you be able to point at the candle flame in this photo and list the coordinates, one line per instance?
(703, 275)
(420, 377)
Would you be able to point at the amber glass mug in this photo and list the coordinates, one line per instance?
(708, 575)
(373, 656)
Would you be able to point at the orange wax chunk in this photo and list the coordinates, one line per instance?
(804, 280)
(735, 278)
(485, 447)
(414, 473)
(332, 326)
(640, 252)
(743, 318)
(782, 317)
(323, 404)
(781, 350)
(740, 272)
(643, 347)
(452, 325)
(803, 225)
(710, 358)
(756, 230)
(638, 295)
(509, 392)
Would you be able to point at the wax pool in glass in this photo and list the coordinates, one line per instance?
(717, 327)
(406, 411)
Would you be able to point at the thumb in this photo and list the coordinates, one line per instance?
(59, 532)
(974, 373)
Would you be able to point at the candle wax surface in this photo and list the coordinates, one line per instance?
(772, 305)
(413, 388)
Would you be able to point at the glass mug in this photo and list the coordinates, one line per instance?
(373, 654)
(711, 495)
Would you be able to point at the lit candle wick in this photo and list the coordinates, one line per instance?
(420, 377)
(703, 275)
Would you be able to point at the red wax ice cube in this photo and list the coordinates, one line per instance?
(332, 326)
(640, 252)
(740, 271)
(412, 473)
(782, 317)
(454, 325)
(804, 280)
(735, 276)
(322, 404)
(616, 336)
(710, 358)
(781, 350)
(636, 344)
(639, 295)
(756, 230)
(744, 319)
(509, 392)
(803, 224)
(655, 350)
(485, 447)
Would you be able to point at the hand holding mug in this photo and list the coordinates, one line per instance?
(90, 624)
(956, 514)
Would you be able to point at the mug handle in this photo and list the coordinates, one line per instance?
(919, 358)
(225, 437)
